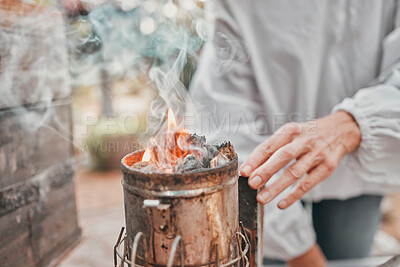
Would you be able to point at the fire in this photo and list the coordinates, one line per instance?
(146, 155)
(171, 121)
(170, 149)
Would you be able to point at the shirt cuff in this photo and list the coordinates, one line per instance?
(288, 233)
(357, 111)
(376, 111)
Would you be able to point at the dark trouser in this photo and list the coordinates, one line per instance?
(345, 228)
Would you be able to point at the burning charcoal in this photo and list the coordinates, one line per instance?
(197, 140)
(211, 152)
(218, 160)
(190, 163)
(227, 150)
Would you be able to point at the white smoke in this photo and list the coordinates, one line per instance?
(125, 39)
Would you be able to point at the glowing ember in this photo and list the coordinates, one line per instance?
(176, 150)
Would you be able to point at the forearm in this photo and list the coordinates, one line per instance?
(350, 134)
(377, 112)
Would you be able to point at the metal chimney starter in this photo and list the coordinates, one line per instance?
(182, 219)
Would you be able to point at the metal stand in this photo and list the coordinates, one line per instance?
(243, 243)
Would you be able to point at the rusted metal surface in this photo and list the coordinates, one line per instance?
(22, 141)
(36, 188)
(36, 234)
(251, 214)
(201, 207)
(38, 219)
(37, 200)
(121, 257)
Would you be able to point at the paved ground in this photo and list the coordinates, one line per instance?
(101, 216)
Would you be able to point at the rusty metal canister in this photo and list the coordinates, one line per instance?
(200, 208)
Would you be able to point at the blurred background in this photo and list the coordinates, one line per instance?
(115, 44)
(75, 94)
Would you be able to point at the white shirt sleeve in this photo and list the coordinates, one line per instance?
(377, 112)
(287, 233)
(224, 85)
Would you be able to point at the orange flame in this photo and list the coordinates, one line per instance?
(171, 121)
(146, 155)
(172, 147)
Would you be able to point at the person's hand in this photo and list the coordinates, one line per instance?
(317, 149)
(313, 257)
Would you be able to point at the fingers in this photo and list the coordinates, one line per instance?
(277, 161)
(291, 175)
(317, 175)
(264, 151)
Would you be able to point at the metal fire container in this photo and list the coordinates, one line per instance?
(188, 219)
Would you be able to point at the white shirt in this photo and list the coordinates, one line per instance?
(270, 62)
